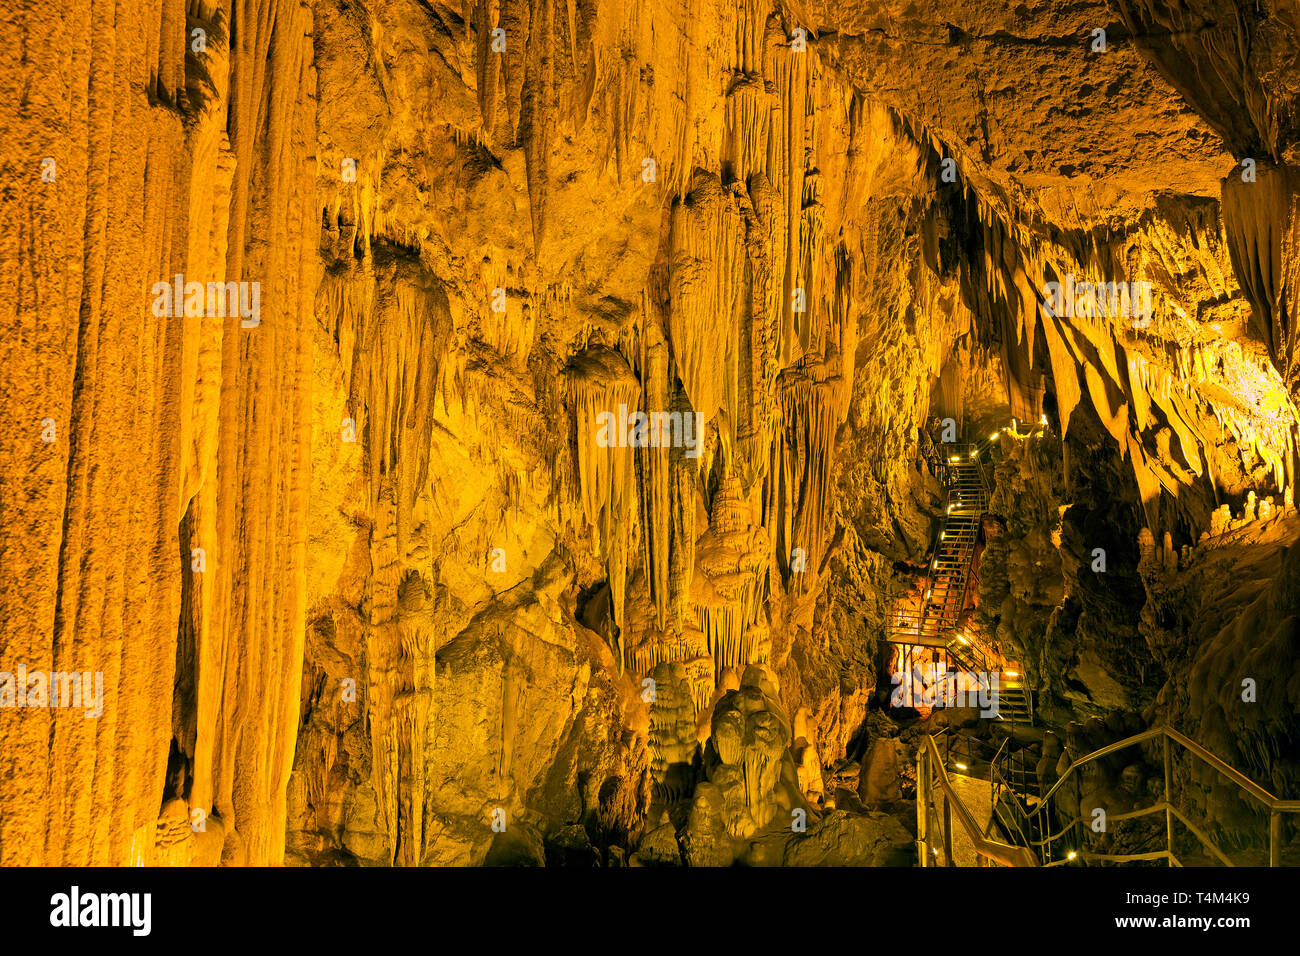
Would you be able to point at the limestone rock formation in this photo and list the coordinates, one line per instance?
(500, 431)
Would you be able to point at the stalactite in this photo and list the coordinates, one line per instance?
(787, 70)
(655, 475)
(1262, 219)
(749, 109)
(732, 558)
(810, 321)
(802, 464)
(758, 365)
(842, 330)
(755, 342)
(516, 18)
(599, 383)
(682, 544)
(486, 13)
(706, 284)
(1139, 372)
(391, 324)
(392, 327)
(538, 112)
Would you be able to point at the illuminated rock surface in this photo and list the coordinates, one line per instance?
(547, 500)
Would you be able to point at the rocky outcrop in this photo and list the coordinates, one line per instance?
(1222, 621)
(542, 430)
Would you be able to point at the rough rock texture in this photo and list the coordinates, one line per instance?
(156, 466)
(573, 444)
(1222, 618)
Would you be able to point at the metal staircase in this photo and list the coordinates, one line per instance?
(950, 576)
(950, 572)
(952, 558)
(1015, 703)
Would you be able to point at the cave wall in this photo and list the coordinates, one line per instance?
(720, 276)
(360, 575)
(156, 464)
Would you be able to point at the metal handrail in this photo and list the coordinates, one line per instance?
(928, 763)
(993, 784)
(959, 647)
(1236, 776)
(995, 773)
(1275, 805)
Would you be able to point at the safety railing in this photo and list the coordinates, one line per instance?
(912, 626)
(967, 655)
(1042, 816)
(1032, 829)
(932, 782)
(1007, 807)
(1014, 783)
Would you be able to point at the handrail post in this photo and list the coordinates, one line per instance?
(1045, 808)
(922, 804)
(1079, 836)
(1275, 838)
(1169, 813)
(947, 831)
